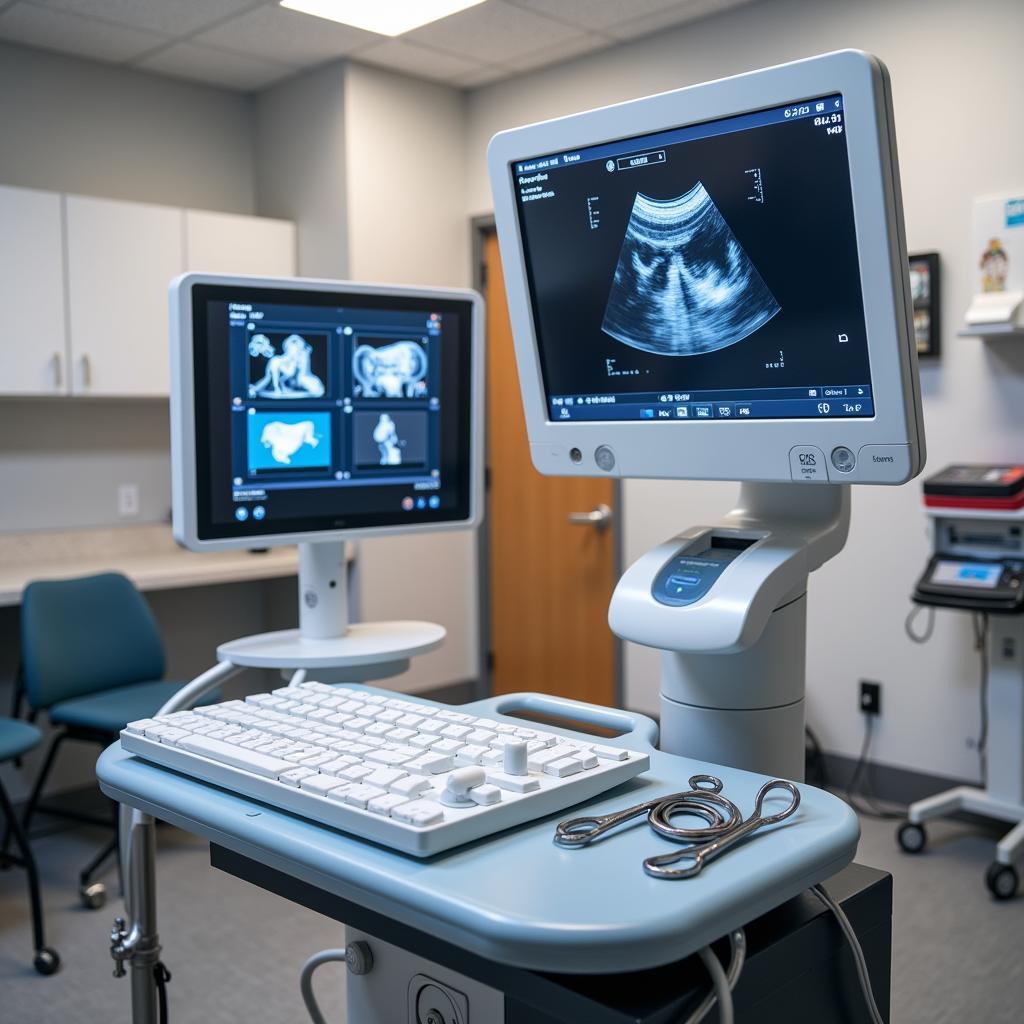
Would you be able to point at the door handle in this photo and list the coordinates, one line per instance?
(599, 517)
(58, 374)
(86, 371)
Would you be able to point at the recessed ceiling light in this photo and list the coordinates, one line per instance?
(390, 18)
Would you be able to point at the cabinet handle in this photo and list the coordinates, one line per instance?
(58, 370)
(86, 371)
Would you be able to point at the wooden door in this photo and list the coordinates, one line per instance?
(550, 581)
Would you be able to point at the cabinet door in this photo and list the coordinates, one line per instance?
(229, 243)
(34, 343)
(121, 258)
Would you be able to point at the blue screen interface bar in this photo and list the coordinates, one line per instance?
(625, 152)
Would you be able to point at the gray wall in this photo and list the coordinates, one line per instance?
(957, 81)
(71, 125)
(300, 165)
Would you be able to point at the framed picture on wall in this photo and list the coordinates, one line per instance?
(924, 291)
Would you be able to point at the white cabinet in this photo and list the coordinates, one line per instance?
(120, 259)
(33, 345)
(230, 243)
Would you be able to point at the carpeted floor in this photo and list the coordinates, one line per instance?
(235, 951)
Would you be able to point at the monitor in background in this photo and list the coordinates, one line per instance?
(711, 283)
(314, 411)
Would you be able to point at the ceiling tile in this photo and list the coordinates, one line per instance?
(289, 36)
(692, 10)
(494, 32)
(486, 75)
(420, 61)
(171, 17)
(216, 67)
(70, 33)
(565, 50)
(597, 14)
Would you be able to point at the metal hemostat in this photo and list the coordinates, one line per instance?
(725, 824)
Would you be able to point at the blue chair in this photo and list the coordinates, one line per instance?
(93, 660)
(17, 738)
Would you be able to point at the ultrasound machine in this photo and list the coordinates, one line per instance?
(709, 284)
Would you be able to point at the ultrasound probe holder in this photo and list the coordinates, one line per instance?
(737, 588)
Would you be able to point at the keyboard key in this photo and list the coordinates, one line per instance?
(481, 737)
(543, 757)
(564, 767)
(470, 754)
(316, 760)
(485, 795)
(386, 804)
(295, 776)
(397, 735)
(610, 753)
(410, 721)
(429, 764)
(410, 786)
(434, 725)
(357, 724)
(336, 766)
(321, 785)
(378, 729)
(446, 746)
(419, 812)
(586, 759)
(422, 740)
(360, 795)
(388, 715)
(513, 783)
(356, 772)
(454, 716)
(391, 757)
(269, 766)
(384, 777)
(456, 731)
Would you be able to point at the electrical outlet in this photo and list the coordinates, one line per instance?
(128, 501)
(870, 697)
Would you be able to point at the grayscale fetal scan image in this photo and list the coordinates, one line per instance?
(683, 283)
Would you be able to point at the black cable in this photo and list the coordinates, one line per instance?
(981, 624)
(869, 808)
(817, 771)
(161, 976)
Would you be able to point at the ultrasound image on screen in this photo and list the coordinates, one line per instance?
(717, 258)
(684, 284)
(385, 440)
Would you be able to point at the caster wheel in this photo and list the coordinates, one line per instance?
(46, 961)
(911, 837)
(1002, 881)
(93, 896)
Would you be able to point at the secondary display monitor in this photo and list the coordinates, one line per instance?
(305, 410)
(720, 255)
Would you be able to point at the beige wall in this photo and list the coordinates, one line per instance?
(407, 223)
(958, 82)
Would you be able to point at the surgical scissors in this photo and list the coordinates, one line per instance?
(703, 800)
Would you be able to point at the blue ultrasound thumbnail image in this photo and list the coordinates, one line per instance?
(289, 441)
(683, 284)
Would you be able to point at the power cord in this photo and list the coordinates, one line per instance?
(929, 628)
(855, 947)
(869, 808)
(325, 956)
(723, 981)
(981, 624)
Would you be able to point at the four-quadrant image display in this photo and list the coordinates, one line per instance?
(684, 284)
(288, 441)
(386, 368)
(286, 365)
(388, 439)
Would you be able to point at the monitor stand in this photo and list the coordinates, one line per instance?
(326, 642)
(733, 660)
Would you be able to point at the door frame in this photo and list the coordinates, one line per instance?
(480, 227)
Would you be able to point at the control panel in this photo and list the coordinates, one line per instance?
(994, 585)
(690, 574)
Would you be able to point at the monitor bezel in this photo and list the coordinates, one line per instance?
(755, 450)
(185, 467)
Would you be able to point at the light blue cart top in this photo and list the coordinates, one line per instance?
(517, 898)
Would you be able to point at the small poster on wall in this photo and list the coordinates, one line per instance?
(924, 293)
(998, 260)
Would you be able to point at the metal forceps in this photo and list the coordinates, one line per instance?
(704, 800)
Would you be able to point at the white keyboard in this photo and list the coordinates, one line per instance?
(419, 777)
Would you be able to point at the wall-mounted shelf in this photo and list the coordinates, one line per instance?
(992, 331)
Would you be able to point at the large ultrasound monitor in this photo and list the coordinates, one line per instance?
(712, 283)
(317, 410)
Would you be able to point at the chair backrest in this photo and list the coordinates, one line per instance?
(85, 635)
